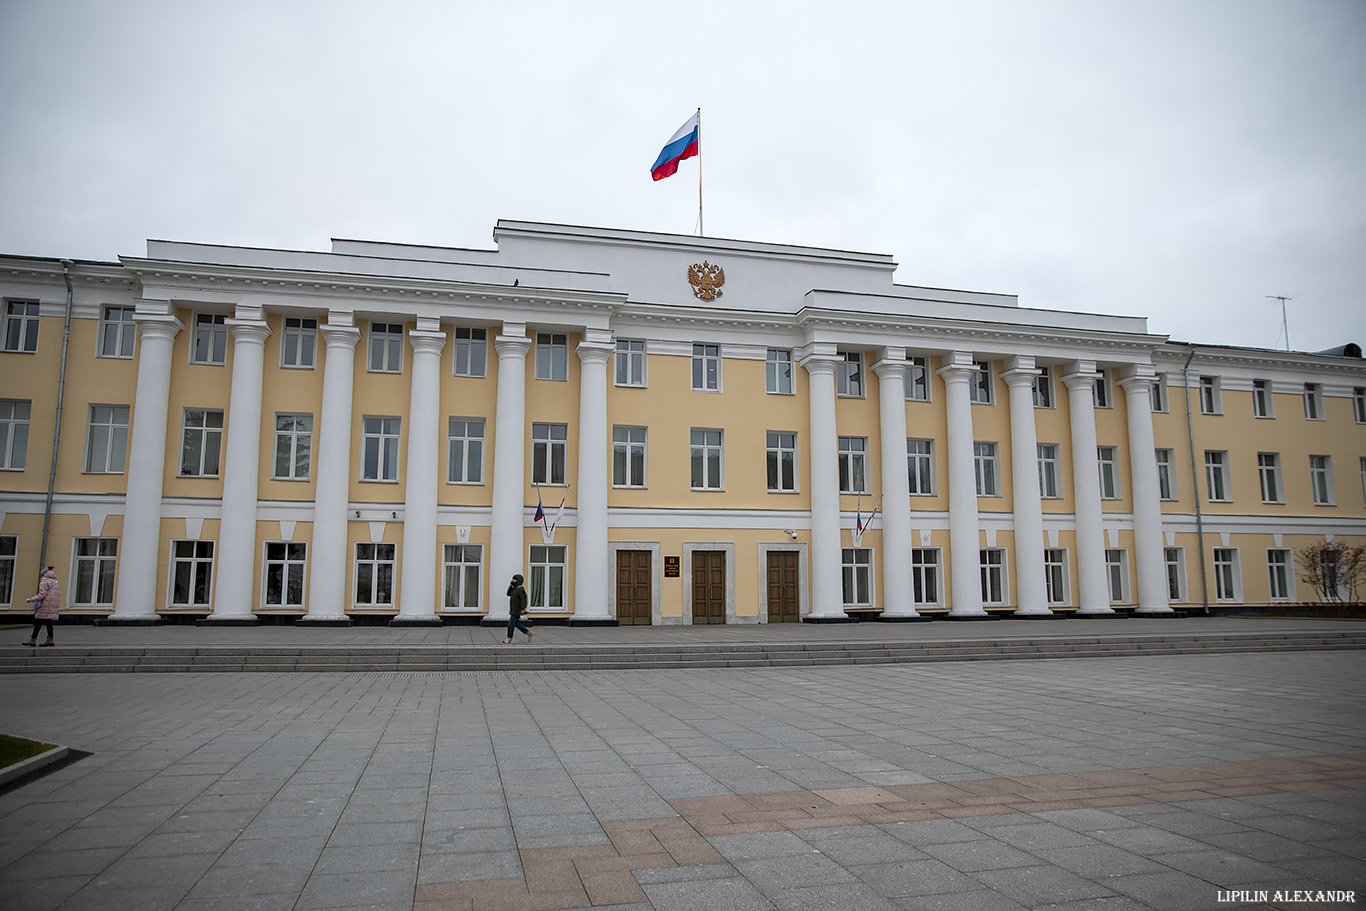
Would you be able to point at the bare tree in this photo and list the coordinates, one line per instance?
(1333, 570)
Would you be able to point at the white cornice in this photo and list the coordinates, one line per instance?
(1256, 361)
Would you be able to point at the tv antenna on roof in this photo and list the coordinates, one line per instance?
(1285, 327)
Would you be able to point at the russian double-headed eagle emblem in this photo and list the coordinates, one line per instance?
(706, 280)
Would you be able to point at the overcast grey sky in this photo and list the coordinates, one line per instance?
(1175, 159)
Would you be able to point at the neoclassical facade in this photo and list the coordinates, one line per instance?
(651, 428)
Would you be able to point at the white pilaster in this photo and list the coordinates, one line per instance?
(965, 559)
(417, 593)
(236, 563)
(327, 596)
(898, 593)
(135, 594)
(592, 570)
(1030, 591)
(827, 592)
(1148, 556)
(509, 467)
(1081, 391)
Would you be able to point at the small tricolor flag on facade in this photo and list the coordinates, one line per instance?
(682, 145)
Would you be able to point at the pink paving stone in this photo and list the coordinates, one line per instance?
(844, 797)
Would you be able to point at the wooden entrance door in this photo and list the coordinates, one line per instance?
(709, 586)
(782, 586)
(633, 587)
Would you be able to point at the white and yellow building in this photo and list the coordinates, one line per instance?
(368, 431)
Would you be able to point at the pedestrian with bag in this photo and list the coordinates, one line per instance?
(516, 606)
(45, 606)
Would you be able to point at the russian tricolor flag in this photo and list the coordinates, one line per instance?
(682, 145)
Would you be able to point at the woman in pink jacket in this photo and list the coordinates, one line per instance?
(46, 604)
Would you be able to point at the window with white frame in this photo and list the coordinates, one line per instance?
(552, 356)
(549, 453)
(986, 469)
(849, 376)
(1313, 401)
(1055, 575)
(778, 371)
(283, 587)
(630, 362)
(299, 342)
(293, 446)
(1166, 473)
(210, 339)
(1103, 396)
(1359, 403)
(1042, 387)
(460, 566)
(471, 351)
(1280, 570)
(1228, 581)
(1216, 476)
(375, 574)
(1211, 398)
(853, 458)
(920, 466)
(993, 563)
(191, 573)
(917, 379)
(628, 456)
(980, 390)
(386, 348)
(782, 462)
(858, 576)
(1158, 390)
(106, 439)
(1175, 559)
(1107, 462)
(706, 368)
(465, 451)
(925, 575)
(118, 332)
(547, 577)
(1321, 479)
(1363, 476)
(21, 326)
(201, 440)
(9, 549)
(1263, 405)
(379, 448)
(706, 457)
(1117, 574)
(93, 578)
(14, 421)
(1048, 470)
(1269, 474)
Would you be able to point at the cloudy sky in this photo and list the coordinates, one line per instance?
(1175, 159)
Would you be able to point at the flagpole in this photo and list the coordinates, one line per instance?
(701, 228)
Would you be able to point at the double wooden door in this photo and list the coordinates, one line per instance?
(782, 586)
(709, 586)
(633, 587)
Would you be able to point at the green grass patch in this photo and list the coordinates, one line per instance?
(17, 749)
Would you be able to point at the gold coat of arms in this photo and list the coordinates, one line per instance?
(706, 280)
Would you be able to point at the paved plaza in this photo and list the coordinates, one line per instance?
(1166, 782)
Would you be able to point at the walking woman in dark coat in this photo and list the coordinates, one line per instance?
(516, 605)
(45, 606)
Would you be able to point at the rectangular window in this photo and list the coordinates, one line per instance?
(201, 438)
(980, 389)
(1175, 558)
(920, 465)
(284, 581)
(379, 448)
(849, 376)
(1227, 578)
(375, 575)
(1321, 479)
(471, 351)
(386, 348)
(547, 577)
(1103, 398)
(106, 439)
(1363, 476)
(1159, 393)
(853, 457)
(293, 446)
(628, 456)
(9, 548)
(552, 356)
(858, 576)
(1263, 405)
(300, 342)
(782, 462)
(706, 459)
(21, 326)
(1269, 472)
(918, 379)
(706, 368)
(984, 462)
(118, 332)
(925, 575)
(1211, 401)
(549, 453)
(1280, 566)
(1055, 575)
(210, 339)
(1216, 476)
(1117, 574)
(1166, 474)
(460, 566)
(14, 420)
(93, 579)
(1043, 388)
(630, 362)
(465, 451)
(993, 562)
(191, 573)
(1108, 464)
(1359, 403)
(778, 371)
(1048, 470)
(1313, 401)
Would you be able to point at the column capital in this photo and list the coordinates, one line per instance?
(1137, 379)
(426, 341)
(819, 363)
(1019, 376)
(592, 352)
(512, 346)
(1080, 373)
(891, 369)
(158, 327)
(249, 331)
(339, 336)
(956, 372)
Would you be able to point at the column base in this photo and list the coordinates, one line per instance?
(494, 621)
(227, 621)
(416, 621)
(153, 620)
(594, 621)
(1097, 615)
(1167, 614)
(828, 618)
(953, 616)
(323, 621)
(901, 618)
(1045, 616)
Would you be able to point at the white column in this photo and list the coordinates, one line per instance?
(592, 572)
(965, 541)
(135, 595)
(1031, 595)
(327, 596)
(827, 591)
(898, 593)
(236, 562)
(1149, 558)
(417, 592)
(1081, 391)
(506, 555)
